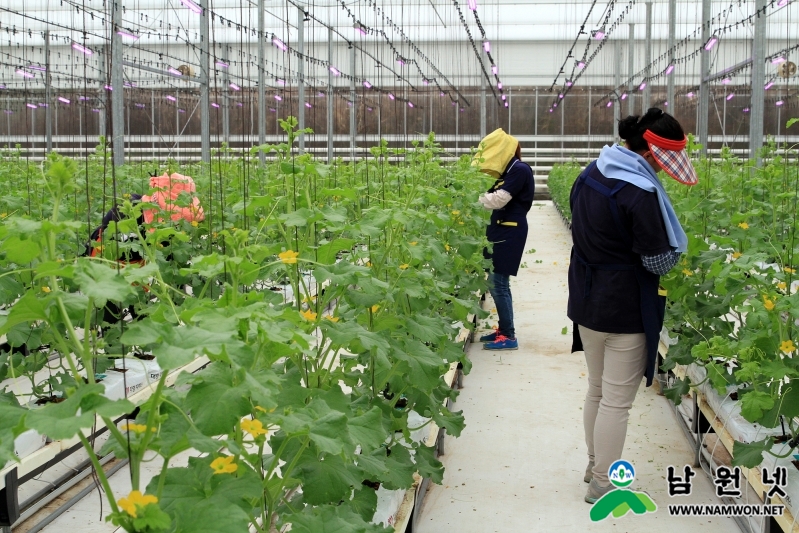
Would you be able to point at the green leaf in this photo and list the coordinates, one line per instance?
(27, 309)
(367, 429)
(565, 330)
(344, 193)
(681, 388)
(427, 464)
(452, 422)
(20, 251)
(217, 407)
(326, 254)
(332, 519)
(749, 455)
(212, 517)
(175, 346)
(400, 468)
(754, 404)
(364, 502)
(426, 328)
(11, 418)
(151, 518)
(329, 432)
(62, 421)
(791, 122)
(101, 282)
(324, 480)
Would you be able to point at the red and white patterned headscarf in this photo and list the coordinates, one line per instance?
(672, 157)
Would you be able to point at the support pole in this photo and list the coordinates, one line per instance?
(647, 99)
(617, 82)
(672, 34)
(261, 83)
(353, 126)
(430, 104)
(301, 75)
(457, 125)
(152, 120)
(48, 97)
(704, 88)
(758, 84)
(631, 70)
(102, 64)
(330, 99)
(562, 128)
(589, 119)
(482, 107)
(205, 100)
(535, 126)
(118, 86)
(225, 107)
(510, 108)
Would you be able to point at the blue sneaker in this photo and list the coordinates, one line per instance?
(491, 337)
(502, 343)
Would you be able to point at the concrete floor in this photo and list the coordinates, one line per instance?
(519, 464)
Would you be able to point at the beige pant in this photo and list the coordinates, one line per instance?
(616, 364)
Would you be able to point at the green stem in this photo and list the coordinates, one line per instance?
(98, 468)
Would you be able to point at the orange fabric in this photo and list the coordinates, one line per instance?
(169, 188)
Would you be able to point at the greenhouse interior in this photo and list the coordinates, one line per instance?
(333, 267)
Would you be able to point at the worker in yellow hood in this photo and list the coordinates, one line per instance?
(495, 152)
(509, 199)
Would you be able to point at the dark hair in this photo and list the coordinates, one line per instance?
(632, 128)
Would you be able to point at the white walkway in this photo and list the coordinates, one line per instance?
(519, 464)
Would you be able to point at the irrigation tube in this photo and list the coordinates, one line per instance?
(75, 499)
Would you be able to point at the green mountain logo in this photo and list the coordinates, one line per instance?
(619, 502)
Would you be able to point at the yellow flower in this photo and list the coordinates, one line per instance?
(782, 286)
(253, 427)
(768, 304)
(224, 465)
(456, 212)
(687, 272)
(447, 247)
(790, 270)
(368, 263)
(413, 243)
(308, 315)
(136, 428)
(45, 289)
(194, 223)
(136, 499)
(460, 223)
(404, 266)
(787, 346)
(743, 225)
(331, 318)
(289, 257)
(375, 308)
(736, 255)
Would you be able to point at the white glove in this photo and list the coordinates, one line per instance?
(495, 200)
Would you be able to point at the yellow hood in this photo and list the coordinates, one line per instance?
(496, 151)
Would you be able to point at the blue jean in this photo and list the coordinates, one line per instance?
(499, 285)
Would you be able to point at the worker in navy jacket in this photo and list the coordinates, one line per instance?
(625, 236)
(509, 198)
